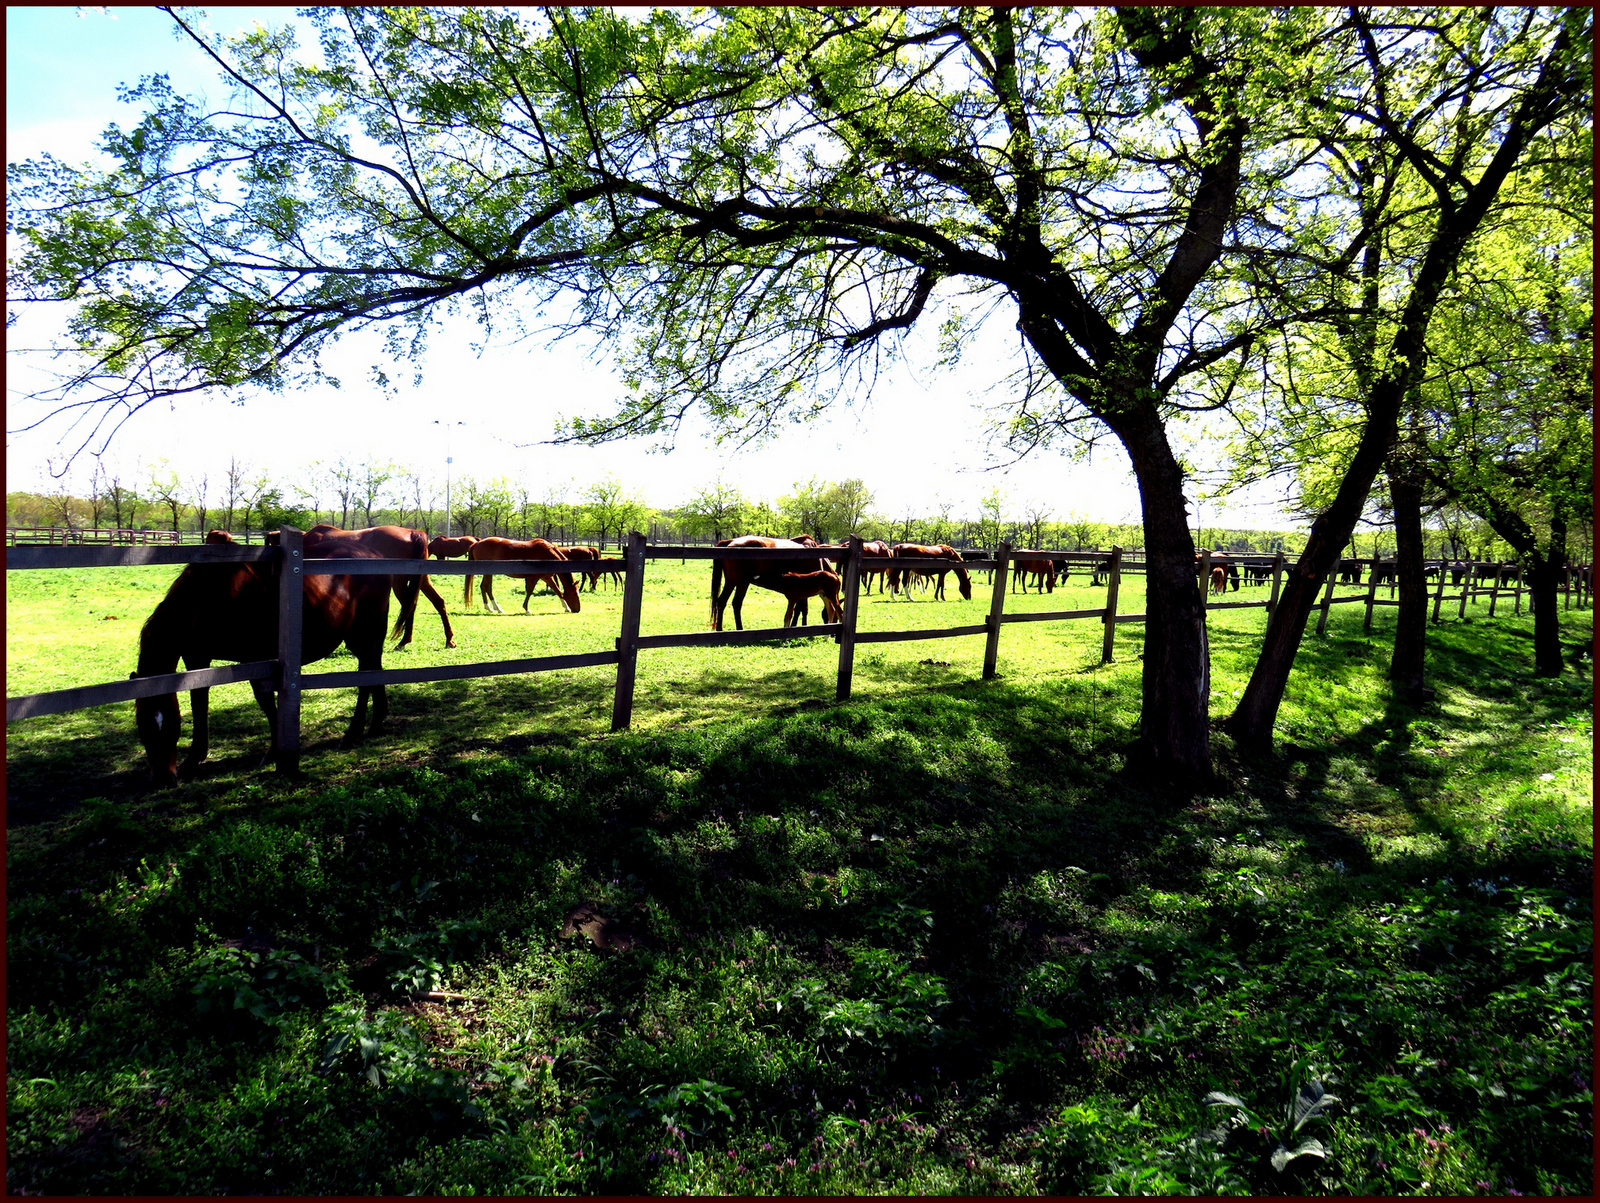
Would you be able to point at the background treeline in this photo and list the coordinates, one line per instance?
(249, 501)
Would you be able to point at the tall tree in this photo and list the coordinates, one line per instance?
(715, 510)
(1507, 413)
(611, 508)
(751, 204)
(1458, 102)
(166, 488)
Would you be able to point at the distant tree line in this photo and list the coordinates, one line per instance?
(248, 502)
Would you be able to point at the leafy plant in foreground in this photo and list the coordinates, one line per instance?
(1308, 1104)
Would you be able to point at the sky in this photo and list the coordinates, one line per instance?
(916, 441)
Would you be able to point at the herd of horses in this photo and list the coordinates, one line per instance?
(228, 611)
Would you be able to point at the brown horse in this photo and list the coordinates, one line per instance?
(448, 547)
(583, 552)
(230, 612)
(736, 576)
(875, 558)
(799, 586)
(388, 543)
(1043, 571)
(922, 551)
(489, 550)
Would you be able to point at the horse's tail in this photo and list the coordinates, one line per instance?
(410, 587)
(466, 593)
(716, 588)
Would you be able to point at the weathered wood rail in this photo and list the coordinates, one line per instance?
(290, 566)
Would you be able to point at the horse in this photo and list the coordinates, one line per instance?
(799, 586)
(1043, 572)
(447, 547)
(489, 550)
(880, 553)
(389, 543)
(921, 551)
(734, 577)
(581, 552)
(1349, 572)
(230, 612)
(1219, 579)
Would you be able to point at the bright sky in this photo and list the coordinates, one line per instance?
(918, 439)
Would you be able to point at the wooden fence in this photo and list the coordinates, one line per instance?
(290, 566)
(70, 536)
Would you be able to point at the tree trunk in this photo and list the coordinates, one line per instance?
(1174, 726)
(1545, 574)
(1411, 626)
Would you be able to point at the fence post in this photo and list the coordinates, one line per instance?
(997, 607)
(1466, 588)
(1277, 584)
(1372, 596)
(1113, 580)
(628, 639)
(1327, 598)
(291, 595)
(1438, 594)
(1494, 590)
(847, 637)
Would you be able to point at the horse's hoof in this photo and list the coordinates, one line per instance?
(450, 643)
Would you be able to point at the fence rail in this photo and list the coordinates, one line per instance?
(289, 565)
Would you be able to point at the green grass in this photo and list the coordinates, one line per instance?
(936, 940)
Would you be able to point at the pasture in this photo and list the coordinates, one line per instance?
(937, 939)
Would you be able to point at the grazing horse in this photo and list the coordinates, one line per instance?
(230, 612)
(734, 577)
(489, 550)
(1219, 579)
(921, 551)
(448, 547)
(1043, 572)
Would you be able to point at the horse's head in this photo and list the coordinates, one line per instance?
(158, 722)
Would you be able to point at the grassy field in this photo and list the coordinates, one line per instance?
(939, 939)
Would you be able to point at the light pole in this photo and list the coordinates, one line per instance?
(448, 426)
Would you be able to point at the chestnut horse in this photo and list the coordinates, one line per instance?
(799, 586)
(736, 576)
(875, 558)
(448, 547)
(489, 550)
(1043, 571)
(389, 543)
(921, 551)
(230, 612)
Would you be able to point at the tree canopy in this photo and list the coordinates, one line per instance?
(750, 204)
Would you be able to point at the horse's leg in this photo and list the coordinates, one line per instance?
(267, 700)
(200, 706)
(527, 591)
(738, 604)
(432, 594)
